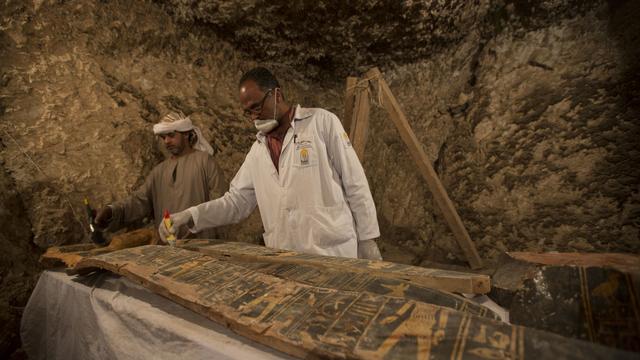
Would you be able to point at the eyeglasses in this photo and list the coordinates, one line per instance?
(257, 107)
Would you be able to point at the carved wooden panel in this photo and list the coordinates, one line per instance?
(453, 281)
(309, 321)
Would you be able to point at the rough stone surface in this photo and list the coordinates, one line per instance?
(533, 131)
(329, 38)
(528, 109)
(18, 264)
(84, 82)
(555, 136)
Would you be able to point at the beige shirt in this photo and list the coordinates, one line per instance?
(175, 185)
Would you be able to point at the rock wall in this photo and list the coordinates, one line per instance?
(328, 38)
(528, 110)
(18, 263)
(82, 84)
(525, 107)
(532, 124)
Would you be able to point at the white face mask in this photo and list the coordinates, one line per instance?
(265, 126)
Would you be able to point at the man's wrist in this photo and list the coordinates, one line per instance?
(109, 209)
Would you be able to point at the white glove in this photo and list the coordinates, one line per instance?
(368, 249)
(178, 219)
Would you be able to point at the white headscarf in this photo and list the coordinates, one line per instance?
(178, 122)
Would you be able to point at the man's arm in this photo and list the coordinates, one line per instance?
(135, 207)
(235, 205)
(354, 182)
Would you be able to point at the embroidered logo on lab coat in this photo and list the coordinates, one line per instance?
(345, 138)
(304, 149)
(304, 156)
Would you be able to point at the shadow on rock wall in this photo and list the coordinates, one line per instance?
(333, 38)
(19, 266)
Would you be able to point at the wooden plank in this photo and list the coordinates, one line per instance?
(354, 117)
(313, 322)
(365, 283)
(340, 279)
(69, 255)
(444, 280)
(349, 102)
(452, 281)
(360, 128)
(305, 272)
(445, 204)
(622, 262)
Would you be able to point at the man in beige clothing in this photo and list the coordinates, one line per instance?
(189, 177)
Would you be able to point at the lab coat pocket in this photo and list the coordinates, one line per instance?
(329, 225)
(278, 233)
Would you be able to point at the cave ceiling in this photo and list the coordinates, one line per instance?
(333, 36)
(347, 37)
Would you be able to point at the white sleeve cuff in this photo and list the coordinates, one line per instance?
(195, 214)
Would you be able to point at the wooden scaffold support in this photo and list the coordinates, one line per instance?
(357, 123)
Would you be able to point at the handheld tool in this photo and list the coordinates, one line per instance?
(166, 219)
(96, 232)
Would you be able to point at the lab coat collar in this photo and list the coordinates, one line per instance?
(299, 114)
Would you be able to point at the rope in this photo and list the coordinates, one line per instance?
(66, 198)
(363, 84)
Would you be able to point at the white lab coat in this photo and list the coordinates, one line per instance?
(320, 201)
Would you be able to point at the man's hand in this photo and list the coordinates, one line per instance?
(178, 219)
(368, 249)
(103, 217)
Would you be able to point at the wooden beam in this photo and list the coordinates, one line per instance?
(349, 102)
(354, 116)
(360, 127)
(623, 262)
(390, 103)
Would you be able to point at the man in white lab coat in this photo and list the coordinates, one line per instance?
(302, 173)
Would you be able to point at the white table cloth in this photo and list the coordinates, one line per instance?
(104, 316)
